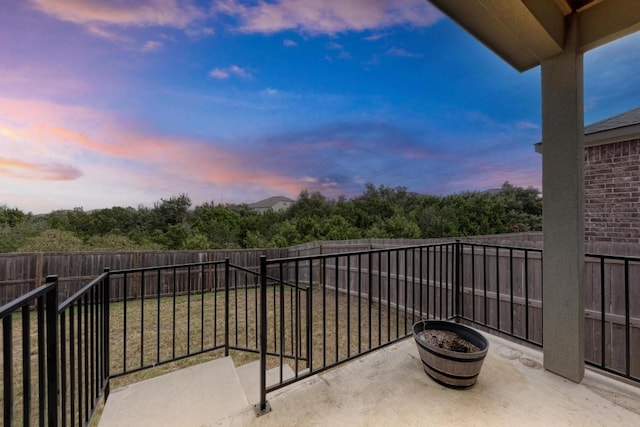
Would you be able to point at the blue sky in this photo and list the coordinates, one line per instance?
(121, 103)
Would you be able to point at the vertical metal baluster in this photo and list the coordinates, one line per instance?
(603, 343)
(142, 293)
(203, 284)
(498, 288)
(300, 291)
(446, 282)
(526, 293)
(388, 295)
(461, 254)
(246, 312)
(348, 306)
(85, 301)
(369, 295)
(51, 298)
(124, 321)
(42, 400)
(72, 366)
(485, 274)
(511, 287)
(91, 344)
(26, 364)
(158, 283)
(421, 284)
(379, 298)
(324, 312)
(173, 317)
(473, 282)
(310, 318)
(359, 303)
(337, 317)
(397, 293)
(282, 331)
(441, 274)
(7, 375)
(188, 309)
(63, 367)
(406, 293)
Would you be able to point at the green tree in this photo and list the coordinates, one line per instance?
(11, 216)
(53, 241)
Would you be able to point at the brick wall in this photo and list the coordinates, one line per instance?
(612, 192)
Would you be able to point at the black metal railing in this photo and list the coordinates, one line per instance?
(301, 315)
(352, 304)
(84, 346)
(30, 386)
(612, 314)
(500, 290)
(495, 288)
(168, 313)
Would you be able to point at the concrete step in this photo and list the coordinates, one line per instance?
(195, 396)
(249, 375)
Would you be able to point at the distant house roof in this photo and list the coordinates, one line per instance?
(270, 202)
(623, 127)
(629, 118)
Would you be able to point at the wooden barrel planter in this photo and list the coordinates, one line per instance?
(452, 354)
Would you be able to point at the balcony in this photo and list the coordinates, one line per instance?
(314, 332)
(387, 387)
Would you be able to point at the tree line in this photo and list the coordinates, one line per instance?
(174, 224)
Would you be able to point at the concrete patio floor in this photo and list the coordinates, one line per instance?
(389, 388)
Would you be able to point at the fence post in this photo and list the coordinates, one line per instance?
(227, 277)
(106, 295)
(263, 406)
(52, 350)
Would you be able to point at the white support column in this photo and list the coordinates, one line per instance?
(563, 219)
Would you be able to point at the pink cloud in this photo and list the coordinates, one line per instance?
(329, 16)
(219, 74)
(481, 175)
(14, 168)
(233, 70)
(120, 155)
(173, 13)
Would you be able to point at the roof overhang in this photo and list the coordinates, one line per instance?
(525, 32)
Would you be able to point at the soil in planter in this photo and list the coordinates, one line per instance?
(447, 340)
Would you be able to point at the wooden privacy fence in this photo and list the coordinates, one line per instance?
(20, 273)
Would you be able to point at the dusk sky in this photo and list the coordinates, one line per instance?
(122, 102)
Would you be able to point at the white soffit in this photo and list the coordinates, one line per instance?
(524, 32)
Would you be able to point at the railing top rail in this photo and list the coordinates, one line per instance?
(487, 245)
(355, 253)
(62, 306)
(25, 299)
(614, 257)
(170, 266)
